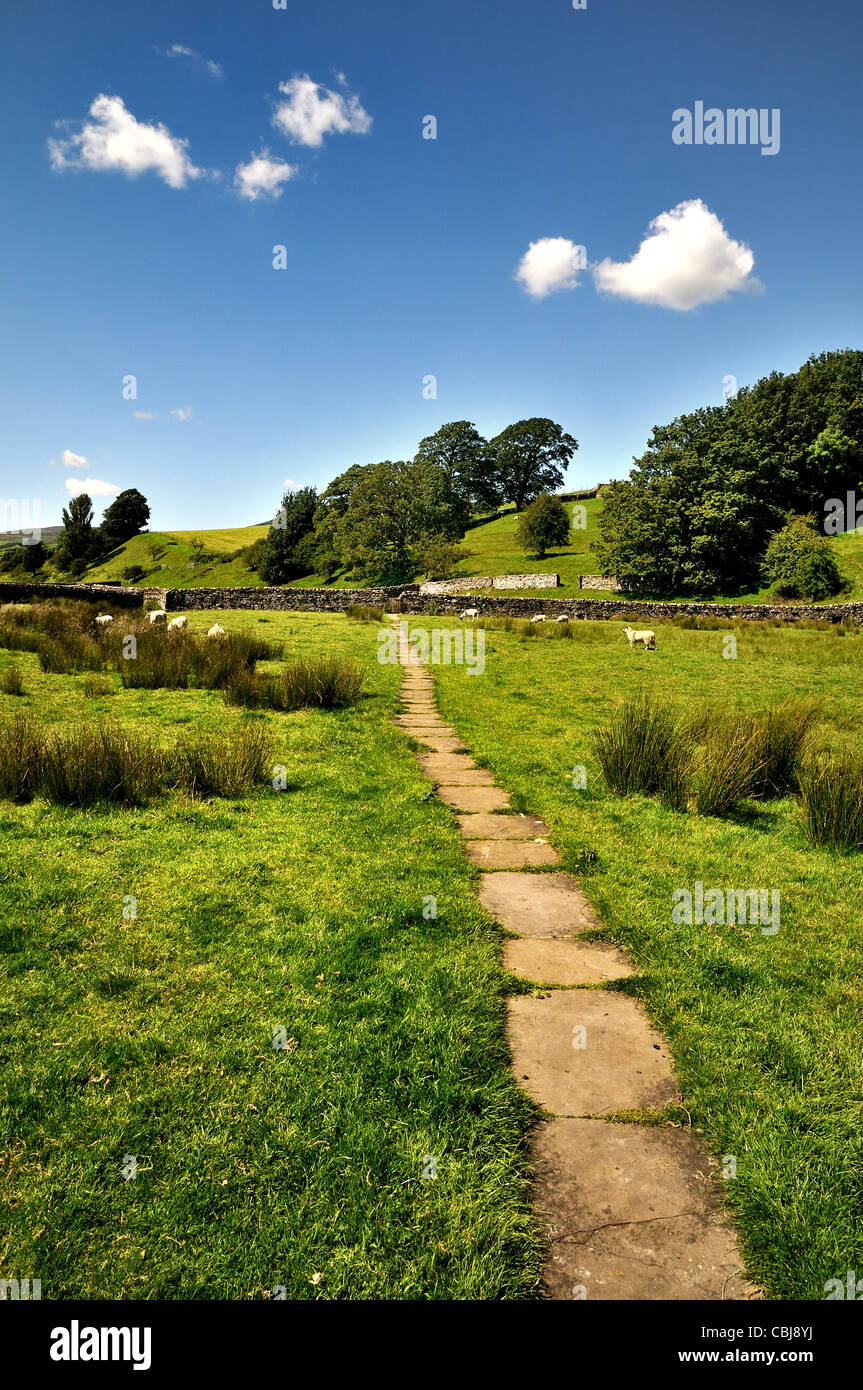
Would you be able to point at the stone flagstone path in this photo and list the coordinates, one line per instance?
(632, 1211)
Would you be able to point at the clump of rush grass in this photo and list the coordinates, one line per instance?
(831, 794)
(102, 762)
(12, 681)
(646, 749)
(780, 740)
(364, 613)
(319, 683)
(728, 768)
(94, 686)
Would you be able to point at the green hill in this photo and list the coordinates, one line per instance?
(223, 562)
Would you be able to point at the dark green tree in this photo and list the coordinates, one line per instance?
(799, 561)
(543, 524)
(468, 460)
(77, 542)
(532, 456)
(281, 558)
(126, 517)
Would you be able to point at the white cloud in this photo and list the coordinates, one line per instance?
(179, 50)
(312, 111)
(262, 176)
(686, 259)
(114, 141)
(290, 483)
(550, 264)
(70, 460)
(185, 412)
(144, 415)
(94, 487)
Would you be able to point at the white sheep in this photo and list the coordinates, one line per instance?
(644, 635)
(157, 616)
(564, 618)
(217, 631)
(469, 613)
(178, 624)
(104, 618)
(538, 618)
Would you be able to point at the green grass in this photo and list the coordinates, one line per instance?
(765, 1030)
(152, 1035)
(177, 569)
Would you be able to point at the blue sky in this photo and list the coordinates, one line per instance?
(401, 252)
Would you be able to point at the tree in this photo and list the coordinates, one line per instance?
(392, 505)
(26, 559)
(799, 561)
(469, 461)
(281, 557)
(126, 517)
(544, 523)
(77, 541)
(437, 557)
(532, 456)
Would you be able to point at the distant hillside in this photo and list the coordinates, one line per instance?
(49, 536)
(221, 563)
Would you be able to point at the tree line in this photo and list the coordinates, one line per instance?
(385, 522)
(729, 496)
(80, 543)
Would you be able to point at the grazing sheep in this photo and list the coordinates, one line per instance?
(469, 613)
(104, 618)
(645, 636)
(538, 618)
(178, 624)
(157, 616)
(564, 618)
(217, 631)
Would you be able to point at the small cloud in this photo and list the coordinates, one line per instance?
(94, 487)
(184, 412)
(550, 264)
(115, 142)
(312, 111)
(262, 176)
(686, 259)
(290, 483)
(144, 415)
(70, 460)
(179, 50)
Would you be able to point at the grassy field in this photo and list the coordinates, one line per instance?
(152, 1036)
(765, 1029)
(220, 568)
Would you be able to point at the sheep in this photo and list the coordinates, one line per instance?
(217, 631)
(469, 613)
(157, 616)
(104, 618)
(644, 635)
(178, 624)
(564, 618)
(538, 618)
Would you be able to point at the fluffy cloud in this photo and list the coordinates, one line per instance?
(144, 415)
(312, 111)
(70, 460)
(114, 141)
(550, 264)
(184, 412)
(686, 259)
(262, 176)
(94, 487)
(179, 50)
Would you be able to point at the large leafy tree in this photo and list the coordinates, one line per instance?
(799, 562)
(699, 506)
(468, 460)
(126, 517)
(532, 456)
(286, 553)
(77, 542)
(392, 507)
(543, 524)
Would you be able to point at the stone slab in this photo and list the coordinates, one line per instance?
(511, 854)
(633, 1214)
(474, 798)
(623, 1065)
(566, 962)
(481, 827)
(550, 906)
(455, 770)
(439, 743)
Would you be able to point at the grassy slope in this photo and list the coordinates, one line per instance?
(153, 1037)
(765, 1030)
(492, 545)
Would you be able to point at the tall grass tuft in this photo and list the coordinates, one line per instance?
(831, 793)
(364, 613)
(646, 750)
(780, 739)
(322, 683)
(12, 681)
(223, 766)
(728, 769)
